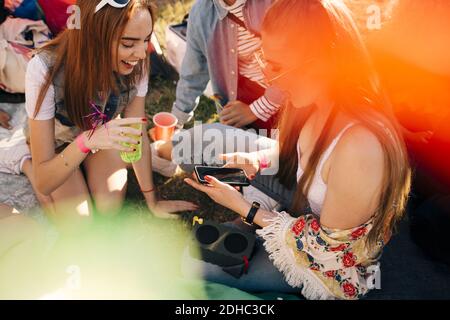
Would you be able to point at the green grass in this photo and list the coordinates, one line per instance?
(170, 12)
(161, 97)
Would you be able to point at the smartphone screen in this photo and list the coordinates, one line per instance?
(229, 176)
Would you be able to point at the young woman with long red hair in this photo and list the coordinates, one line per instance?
(85, 91)
(343, 173)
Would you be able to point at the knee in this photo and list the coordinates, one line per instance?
(110, 194)
(109, 203)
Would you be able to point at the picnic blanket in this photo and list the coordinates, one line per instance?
(16, 190)
(29, 33)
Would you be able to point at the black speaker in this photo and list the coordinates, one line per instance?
(227, 247)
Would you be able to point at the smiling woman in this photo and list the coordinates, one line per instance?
(133, 44)
(86, 90)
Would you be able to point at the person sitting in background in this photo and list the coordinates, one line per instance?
(224, 46)
(344, 170)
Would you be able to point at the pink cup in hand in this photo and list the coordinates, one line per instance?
(165, 124)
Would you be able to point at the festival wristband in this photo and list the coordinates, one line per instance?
(148, 191)
(80, 144)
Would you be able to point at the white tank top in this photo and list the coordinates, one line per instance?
(318, 190)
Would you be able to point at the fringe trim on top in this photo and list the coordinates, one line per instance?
(283, 258)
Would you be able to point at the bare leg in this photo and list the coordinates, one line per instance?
(107, 179)
(45, 201)
(72, 204)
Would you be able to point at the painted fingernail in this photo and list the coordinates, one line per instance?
(252, 176)
(144, 119)
(208, 178)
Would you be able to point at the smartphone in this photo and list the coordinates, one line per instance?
(232, 176)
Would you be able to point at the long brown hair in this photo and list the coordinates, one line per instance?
(328, 30)
(85, 56)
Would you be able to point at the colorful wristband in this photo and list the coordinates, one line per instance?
(81, 145)
(148, 191)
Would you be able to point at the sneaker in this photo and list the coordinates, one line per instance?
(160, 165)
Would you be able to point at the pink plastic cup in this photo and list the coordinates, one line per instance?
(165, 124)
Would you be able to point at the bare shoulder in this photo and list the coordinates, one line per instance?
(359, 145)
(355, 179)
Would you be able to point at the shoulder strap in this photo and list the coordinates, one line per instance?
(240, 23)
(332, 146)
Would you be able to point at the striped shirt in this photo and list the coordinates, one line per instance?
(248, 45)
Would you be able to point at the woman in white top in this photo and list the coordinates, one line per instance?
(346, 159)
(77, 87)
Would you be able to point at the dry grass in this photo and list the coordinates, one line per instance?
(170, 12)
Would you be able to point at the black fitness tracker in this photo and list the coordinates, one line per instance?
(252, 213)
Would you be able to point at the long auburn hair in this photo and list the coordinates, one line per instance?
(327, 29)
(85, 56)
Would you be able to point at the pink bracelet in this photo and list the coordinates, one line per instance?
(81, 145)
(148, 191)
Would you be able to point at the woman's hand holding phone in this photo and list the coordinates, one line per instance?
(113, 134)
(222, 193)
